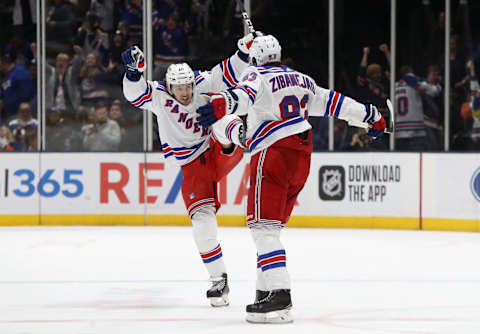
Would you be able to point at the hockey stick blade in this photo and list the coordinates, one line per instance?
(391, 125)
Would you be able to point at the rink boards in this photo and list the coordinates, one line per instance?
(357, 190)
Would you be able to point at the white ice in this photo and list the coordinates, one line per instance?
(150, 280)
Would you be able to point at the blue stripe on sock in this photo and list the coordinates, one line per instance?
(219, 255)
(271, 254)
(274, 265)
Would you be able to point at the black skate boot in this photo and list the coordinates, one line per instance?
(260, 294)
(218, 293)
(274, 308)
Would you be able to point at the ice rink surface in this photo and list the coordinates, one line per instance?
(150, 280)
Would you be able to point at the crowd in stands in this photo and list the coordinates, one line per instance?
(85, 109)
(419, 86)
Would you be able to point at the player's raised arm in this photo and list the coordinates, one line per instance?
(237, 99)
(227, 73)
(137, 90)
(329, 103)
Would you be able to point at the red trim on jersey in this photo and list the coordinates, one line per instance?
(227, 74)
(334, 103)
(267, 128)
(146, 97)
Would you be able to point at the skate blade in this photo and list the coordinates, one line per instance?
(275, 317)
(219, 301)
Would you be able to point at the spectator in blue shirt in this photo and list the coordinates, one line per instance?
(16, 86)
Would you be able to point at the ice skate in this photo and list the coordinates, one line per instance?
(260, 294)
(274, 308)
(218, 293)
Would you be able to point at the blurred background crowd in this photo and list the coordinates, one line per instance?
(85, 109)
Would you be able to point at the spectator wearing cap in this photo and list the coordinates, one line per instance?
(16, 86)
(105, 134)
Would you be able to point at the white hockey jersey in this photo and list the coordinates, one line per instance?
(409, 118)
(278, 101)
(181, 135)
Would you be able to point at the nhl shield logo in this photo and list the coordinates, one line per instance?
(332, 183)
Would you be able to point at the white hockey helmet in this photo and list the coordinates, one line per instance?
(179, 74)
(264, 50)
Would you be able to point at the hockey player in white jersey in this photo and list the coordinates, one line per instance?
(202, 159)
(277, 101)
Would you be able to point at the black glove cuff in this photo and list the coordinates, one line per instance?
(133, 76)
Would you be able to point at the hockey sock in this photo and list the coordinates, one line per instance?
(204, 224)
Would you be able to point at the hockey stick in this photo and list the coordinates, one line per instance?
(246, 19)
(389, 129)
(391, 126)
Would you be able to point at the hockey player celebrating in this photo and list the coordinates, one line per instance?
(275, 99)
(202, 159)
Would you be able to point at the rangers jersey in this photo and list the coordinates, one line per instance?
(409, 111)
(279, 101)
(181, 135)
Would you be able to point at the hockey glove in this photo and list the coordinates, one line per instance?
(134, 63)
(377, 122)
(245, 43)
(212, 111)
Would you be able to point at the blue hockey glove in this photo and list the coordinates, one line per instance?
(134, 62)
(212, 111)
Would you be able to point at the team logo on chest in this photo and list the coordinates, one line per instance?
(183, 117)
